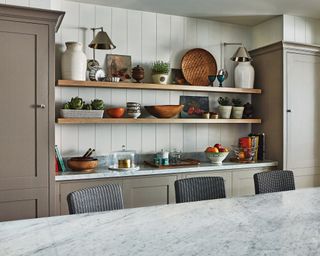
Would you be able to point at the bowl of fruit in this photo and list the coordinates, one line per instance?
(217, 153)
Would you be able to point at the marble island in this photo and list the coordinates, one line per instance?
(104, 172)
(285, 223)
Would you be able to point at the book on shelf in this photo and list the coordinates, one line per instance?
(61, 165)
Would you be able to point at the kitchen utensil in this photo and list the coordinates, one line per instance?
(164, 111)
(82, 163)
(87, 152)
(115, 112)
(197, 64)
(217, 158)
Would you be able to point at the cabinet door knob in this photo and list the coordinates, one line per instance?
(288, 110)
(41, 106)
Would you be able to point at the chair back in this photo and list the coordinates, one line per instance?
(199, 188)
(273, 181)
(95, 199)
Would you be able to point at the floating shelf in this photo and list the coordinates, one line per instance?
(146, 86)
(155, 121)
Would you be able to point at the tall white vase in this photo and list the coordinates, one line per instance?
(74, 62)
(244, 75)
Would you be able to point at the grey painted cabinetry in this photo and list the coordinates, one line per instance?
(26, 129)
(289, 75)
(158, 189)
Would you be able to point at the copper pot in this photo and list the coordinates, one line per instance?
(138, 73)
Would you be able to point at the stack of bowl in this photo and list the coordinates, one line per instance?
(133, 109)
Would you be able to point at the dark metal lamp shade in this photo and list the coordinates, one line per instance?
(102, 41)
(241, 55)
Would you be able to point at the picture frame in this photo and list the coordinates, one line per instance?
(119, 66)
(194, 106)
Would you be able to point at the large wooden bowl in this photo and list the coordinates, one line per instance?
(82, 163)
(164, 111)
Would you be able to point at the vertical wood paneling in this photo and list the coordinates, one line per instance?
(43, 4)
(146, 37)
(18, 2)
(300, 29)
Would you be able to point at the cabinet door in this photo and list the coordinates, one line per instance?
(148, 191)
(224, 174)
(23, 204)
(242, 181)
(24, 86)
(63, 190)
(303, 122)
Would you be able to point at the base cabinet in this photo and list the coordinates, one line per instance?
(149, 191)
(307, 177)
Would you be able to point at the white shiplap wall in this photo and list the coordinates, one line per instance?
(44, 4)
(146, 37)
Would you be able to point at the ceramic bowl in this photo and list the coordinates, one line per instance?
(116, 112)
(82, 163)
(134, 115)
(164, 111)
(217, 158)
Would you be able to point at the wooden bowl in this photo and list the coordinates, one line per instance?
(164, 111)
(116, 112)
(82, 163)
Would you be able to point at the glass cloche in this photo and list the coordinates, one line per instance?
(123, 160)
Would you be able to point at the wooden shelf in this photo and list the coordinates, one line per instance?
(155, 121)
(146, 86)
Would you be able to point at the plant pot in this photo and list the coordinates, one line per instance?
(237, 112)
(225, 112)
(74, 62)
(160, 78)
(73, 113)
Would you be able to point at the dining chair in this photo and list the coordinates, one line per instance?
(273, 181)
(199, 188)
(95, 199)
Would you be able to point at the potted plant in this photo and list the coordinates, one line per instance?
(237, 109)
(224, 107)
(76, 108)
(160, 72)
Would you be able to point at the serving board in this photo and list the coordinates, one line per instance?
(182, 163)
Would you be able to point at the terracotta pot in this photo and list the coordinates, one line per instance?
(116, 112)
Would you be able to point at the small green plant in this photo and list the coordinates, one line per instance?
(160, 67)
(224, 101)
(237, 102)
(76, 103)
(87, 107)
(66, 106)
(97, 104)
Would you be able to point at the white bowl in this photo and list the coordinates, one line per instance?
(134, 115)
(217, 158)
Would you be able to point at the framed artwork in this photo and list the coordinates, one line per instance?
(194, 106)
(119, 66)
(177, 76)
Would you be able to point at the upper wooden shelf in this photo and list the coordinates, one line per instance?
(146, 86)
(155, 121)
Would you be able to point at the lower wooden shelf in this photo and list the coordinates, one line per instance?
(155, 121)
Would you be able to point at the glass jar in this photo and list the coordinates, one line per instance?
(123, 160)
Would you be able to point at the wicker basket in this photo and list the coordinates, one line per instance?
(72, 113)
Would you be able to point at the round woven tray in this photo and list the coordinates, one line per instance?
(197, 64)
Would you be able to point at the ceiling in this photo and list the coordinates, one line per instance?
(247, 12)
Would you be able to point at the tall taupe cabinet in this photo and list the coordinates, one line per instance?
(27, 42)
(289, 75)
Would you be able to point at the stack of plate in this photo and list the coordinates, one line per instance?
(133, 109)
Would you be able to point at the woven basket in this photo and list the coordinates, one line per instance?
(72, 113)
(197, 64)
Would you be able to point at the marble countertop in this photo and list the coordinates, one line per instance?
(104, 172)
(285, 223)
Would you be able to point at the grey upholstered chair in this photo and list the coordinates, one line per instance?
(273, 181)
(95, 199)
(199, 188)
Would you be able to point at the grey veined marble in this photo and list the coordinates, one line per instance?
(286, 223)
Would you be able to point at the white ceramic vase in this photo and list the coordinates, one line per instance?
(244, 75)
(160, 78)
(74, 62)
(225, 112)
(237, 112)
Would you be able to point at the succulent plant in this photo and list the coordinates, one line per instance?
(66, 106)
(76, 103)
(237, 102)
(160, 67)
(224, 101)
(97, 104)
(87, 107)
